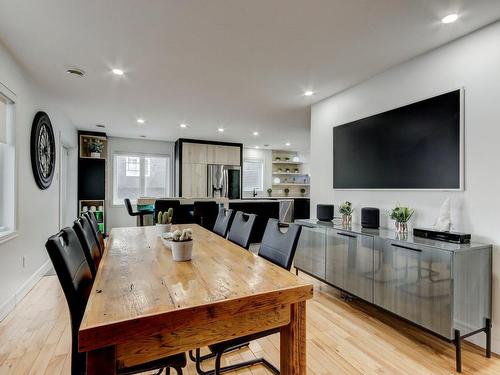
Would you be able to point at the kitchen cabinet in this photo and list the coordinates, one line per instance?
(415, 282)
(440, 286)
(310, 254)
(220, 154)
(349, 262)
(194, 153)
(194, 180)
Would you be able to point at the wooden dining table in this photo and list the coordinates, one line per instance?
(144, 306)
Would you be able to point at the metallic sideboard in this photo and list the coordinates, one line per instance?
(440, 286)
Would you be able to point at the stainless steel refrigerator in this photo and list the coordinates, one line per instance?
(224, 181)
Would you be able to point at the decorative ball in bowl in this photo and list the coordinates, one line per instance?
(181, 243)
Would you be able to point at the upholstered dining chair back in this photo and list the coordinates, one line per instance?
(88, 242)
(279, 247)
(223, 221)
(241, 229)
(76, 280)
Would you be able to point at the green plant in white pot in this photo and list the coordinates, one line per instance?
(346, 210)
(401, 215)
(95, 147)
(181, 243)
(164, 219)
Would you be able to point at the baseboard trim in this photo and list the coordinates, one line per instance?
(12, 302)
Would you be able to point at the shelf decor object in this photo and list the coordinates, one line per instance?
(43, 150)
(346, 210)
(401, 216)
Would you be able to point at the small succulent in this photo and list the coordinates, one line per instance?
(402, 214)
(287, 190)
(346, 208)
(302, 191)
(95, 145)
(165, 217)
(269, 191)
(179, 236)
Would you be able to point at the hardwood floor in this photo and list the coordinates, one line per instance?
(343, 338)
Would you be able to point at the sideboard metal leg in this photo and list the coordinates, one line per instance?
(488, 337)
(458, 350)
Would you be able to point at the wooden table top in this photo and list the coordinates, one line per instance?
(138, 281)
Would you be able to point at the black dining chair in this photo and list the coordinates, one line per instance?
(241, 229)
(75, 277)
(95, 226)
(279, 248)
(163, 205)
(205, 213)
(139, 213)
(86, 236)
(223, 222)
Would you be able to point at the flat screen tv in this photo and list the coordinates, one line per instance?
(417, 146)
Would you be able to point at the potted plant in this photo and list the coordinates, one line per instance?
(401, 215)
(95, 147)
(164, 219)
(269, 191)
(287, 190)
(302, 191)
(346, 211)
(181, 243)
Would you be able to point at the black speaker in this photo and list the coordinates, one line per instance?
(370, 217)
(324, 212)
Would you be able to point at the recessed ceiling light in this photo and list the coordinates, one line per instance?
(220, 130)
(142, 136)
(100, 126)
(450, 18)
(76, 72)
(141, 121)
(257, 147)
(288, 144)
(183, 125)
(308, 93)
(118, 72)
(255, 133)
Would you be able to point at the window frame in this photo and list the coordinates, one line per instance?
(142, 177)
(10, 98)
(262, 164)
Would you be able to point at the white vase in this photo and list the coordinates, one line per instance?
(163, 227)
(182, 250)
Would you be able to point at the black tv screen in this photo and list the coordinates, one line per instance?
(412, 147)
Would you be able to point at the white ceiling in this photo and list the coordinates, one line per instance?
(240, 65)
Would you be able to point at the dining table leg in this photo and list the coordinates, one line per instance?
(102, 361)
(293, 342)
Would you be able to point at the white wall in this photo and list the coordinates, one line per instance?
(117, 216)
(472, 62)
(37, 210)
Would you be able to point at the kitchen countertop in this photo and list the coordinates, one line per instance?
(390, 234)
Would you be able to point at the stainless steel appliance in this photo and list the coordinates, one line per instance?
(224, 181)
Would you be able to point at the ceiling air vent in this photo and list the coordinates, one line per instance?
(76, 72)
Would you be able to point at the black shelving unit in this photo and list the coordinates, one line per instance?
(92, 177)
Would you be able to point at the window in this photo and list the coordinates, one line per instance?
(137, 176)
(7, 169)
(253, 175)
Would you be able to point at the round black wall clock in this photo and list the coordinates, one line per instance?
(43, 150)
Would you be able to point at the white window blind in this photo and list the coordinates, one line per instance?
(3, 121)
(253, 175)
(137, 176)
